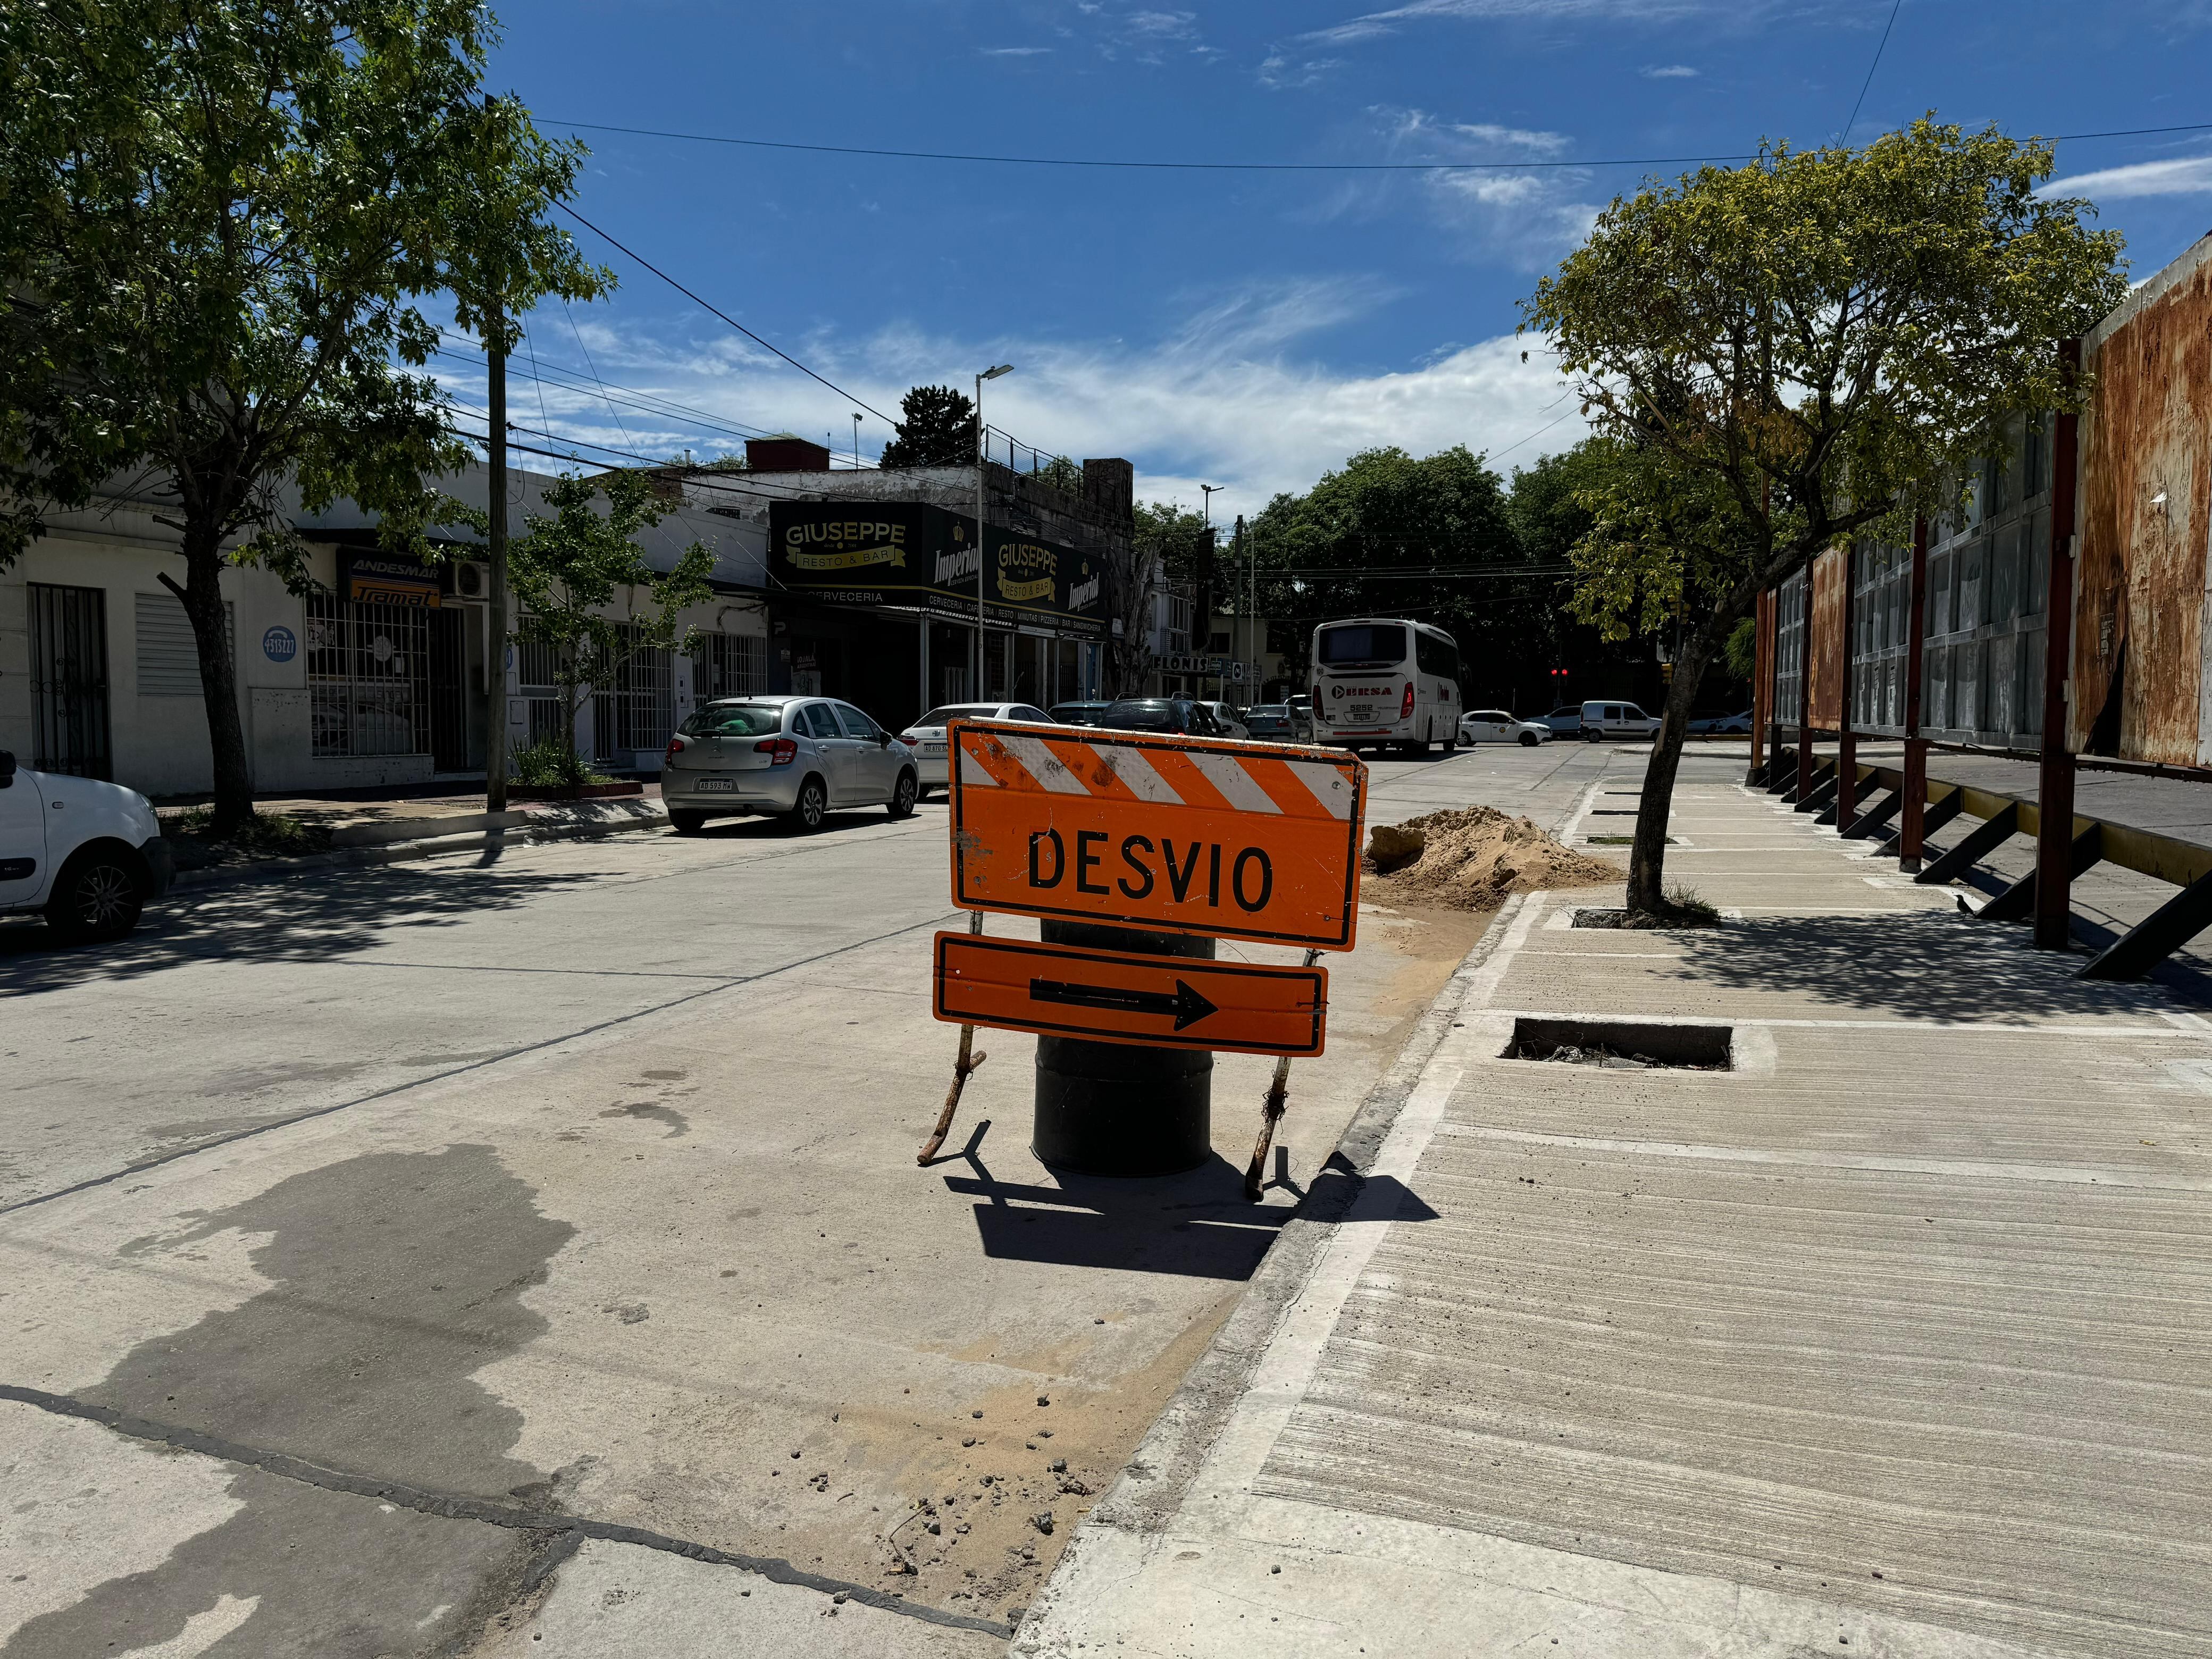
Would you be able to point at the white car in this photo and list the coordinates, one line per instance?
(89, 854)
(1225, 716)
(926, 737)
(1497, 725)
(1601, 720)
(799, 757)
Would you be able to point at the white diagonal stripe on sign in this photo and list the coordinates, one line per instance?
(971, 771)
(1133, 770)
(1227, 774)
(1044, 766)
(1328, 785)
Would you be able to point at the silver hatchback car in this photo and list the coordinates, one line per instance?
(801, 758)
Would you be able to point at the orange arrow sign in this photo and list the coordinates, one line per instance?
(1257, 840)
(1111, 996)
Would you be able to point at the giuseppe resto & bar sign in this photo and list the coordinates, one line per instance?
(1188, 835)
(855, 552)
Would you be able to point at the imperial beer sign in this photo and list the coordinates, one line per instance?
(872, 553)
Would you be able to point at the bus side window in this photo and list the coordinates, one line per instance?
(1438, 659)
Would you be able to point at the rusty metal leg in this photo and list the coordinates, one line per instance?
(1271, 1113)
(970, 1058)
(1913, 824)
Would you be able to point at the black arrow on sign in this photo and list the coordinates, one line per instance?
(1188, 1006)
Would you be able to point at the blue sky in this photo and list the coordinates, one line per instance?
(1236, 328)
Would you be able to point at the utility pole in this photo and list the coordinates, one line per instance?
(496, 546)
(982, 457)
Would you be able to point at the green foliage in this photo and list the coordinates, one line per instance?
(1795, 348)
(1360, 541)
(259, 835)
(1741, 653)
(936, 427)
(1174, 535)
(552, 763)
(568, 569)
(1059, 473)
(213, 222)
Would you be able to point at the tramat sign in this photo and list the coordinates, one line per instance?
(911, 553)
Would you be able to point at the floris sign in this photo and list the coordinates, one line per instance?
(1190, 834)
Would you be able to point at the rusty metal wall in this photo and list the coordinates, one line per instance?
(1825, 642)
(2139, 677)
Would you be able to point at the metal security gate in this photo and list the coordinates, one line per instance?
(449, 674)
(69, 680)
(634, 706)
(369, 677)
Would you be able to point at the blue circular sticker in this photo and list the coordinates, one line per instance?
(280, 644)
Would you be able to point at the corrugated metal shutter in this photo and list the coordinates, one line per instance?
(168, 658)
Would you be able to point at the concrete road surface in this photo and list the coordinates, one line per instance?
(531, 1257)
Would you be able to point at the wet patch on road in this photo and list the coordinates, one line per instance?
(393, 1279)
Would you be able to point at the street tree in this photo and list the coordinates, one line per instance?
(214, 223)
(1792, 352)
(572, 568)
(936, 427)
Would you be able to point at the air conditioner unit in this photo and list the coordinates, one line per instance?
(471, 580)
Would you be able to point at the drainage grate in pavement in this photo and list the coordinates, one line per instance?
(1622, 1045)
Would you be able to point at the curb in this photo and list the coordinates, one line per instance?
(1151, 1489)
(492, 840)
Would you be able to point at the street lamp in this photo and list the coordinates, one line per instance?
(982, 455)
(1204, 624)
(856, 443)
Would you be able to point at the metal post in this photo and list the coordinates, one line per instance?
(1805, 643)
(2054, 857)
(1847, 743)
(496, 619)
(983, 460)
(922, 658)
(1762, 681)
(1912, 818)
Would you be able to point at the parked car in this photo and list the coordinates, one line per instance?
(1079, 714)
(1271, 722)
(1722, 726)
(926, 737)
(1301, 706)
(1161, 714)
(802, 758)
(1600, 721)
(1565, 720)
(88, 855)
(1226, 717)
(1497, 725)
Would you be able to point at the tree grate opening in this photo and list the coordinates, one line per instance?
(1623, 1045)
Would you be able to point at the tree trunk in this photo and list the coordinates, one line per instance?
(1647, 859)
(202, 595)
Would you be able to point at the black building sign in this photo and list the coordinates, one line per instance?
(875, 553)
(381, 578)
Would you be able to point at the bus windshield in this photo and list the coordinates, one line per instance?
(1367, 645)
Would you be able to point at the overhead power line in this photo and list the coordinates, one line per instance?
(1229, 166)
(724, 315)
(1896, 6)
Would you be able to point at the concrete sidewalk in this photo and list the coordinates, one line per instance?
(1891, 1339)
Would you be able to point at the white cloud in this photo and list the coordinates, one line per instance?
(1524, 216)
(1162, 25)
(1278, 73)
(1370, 24)
(1223, 398)
(1013, 51)
(2190, 175)
(1669, 72)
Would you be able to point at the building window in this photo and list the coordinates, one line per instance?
(369, 677)
(729, 665)
(69, 680)
(633, 705)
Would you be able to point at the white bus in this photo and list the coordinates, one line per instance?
(1383, 681)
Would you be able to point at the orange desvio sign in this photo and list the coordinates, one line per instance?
(1251, 841)
(1112, 996)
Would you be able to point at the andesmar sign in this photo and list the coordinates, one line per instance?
(910, 553)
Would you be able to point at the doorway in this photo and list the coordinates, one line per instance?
(69, 680)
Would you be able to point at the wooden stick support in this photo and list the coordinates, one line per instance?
(970, 1058)
(1271, 1113)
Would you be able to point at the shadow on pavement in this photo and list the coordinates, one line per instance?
(329, 915)
(1929, 967)
(1196, 1224)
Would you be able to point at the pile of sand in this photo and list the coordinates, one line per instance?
(1471, 859)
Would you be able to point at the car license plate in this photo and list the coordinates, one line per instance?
(933, 749)
(716, 783)
(1359, 714)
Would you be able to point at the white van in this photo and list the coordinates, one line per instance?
(1601, 720)
(89, 854)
